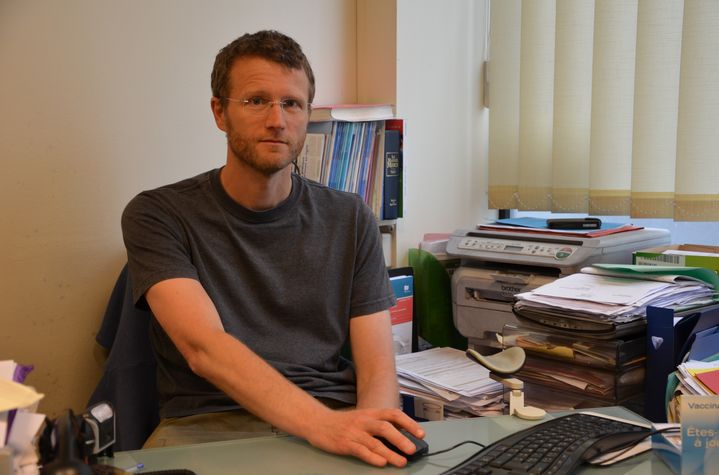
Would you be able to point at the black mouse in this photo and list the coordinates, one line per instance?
(421, 446)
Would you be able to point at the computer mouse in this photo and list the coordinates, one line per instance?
(421, 447)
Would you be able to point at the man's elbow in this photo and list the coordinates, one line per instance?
(199, 359)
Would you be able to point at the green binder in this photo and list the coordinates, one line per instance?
(433, 301)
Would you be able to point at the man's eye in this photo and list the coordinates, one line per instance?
(292, 104)
(256, 101)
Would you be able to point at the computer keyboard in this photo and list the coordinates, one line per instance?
(555, 447)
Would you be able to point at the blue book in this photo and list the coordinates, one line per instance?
(347, 151)
(366, 161)
(343, 139)
(337, 137)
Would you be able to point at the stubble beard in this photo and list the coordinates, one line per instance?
(245, 152)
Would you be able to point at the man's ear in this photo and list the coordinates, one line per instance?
(218, 112)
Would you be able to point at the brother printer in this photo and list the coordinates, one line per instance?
(497, 264)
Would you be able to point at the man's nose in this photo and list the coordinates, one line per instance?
(276, 115)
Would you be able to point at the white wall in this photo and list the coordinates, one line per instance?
(440, 48)
(100, 99)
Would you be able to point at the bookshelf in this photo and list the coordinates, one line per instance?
(358, 148)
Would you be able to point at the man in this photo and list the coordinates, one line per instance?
(256, 276)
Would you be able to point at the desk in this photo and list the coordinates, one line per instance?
(290, 455)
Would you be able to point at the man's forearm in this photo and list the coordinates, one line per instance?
(258, 387)
(373, 354)
(379, 390)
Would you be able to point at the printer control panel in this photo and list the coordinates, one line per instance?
(526, 248)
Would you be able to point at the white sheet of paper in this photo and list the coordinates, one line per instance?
(595, 288)
(7, 369)
(446, 368)
(24, 428)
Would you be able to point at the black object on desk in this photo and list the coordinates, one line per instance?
(574, 223)
(421, 447)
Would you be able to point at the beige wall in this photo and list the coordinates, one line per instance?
(100, 99)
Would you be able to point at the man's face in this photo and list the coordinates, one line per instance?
(269, 140)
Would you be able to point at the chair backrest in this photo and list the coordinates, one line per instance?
(129, 379)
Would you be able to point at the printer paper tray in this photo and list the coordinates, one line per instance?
(576, 323)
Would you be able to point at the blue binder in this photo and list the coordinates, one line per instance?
(667, 343)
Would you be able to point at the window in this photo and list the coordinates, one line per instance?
(607, 108)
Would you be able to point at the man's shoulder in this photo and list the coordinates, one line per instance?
(177, 194)
(186, 185)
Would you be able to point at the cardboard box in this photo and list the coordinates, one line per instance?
(679, 255)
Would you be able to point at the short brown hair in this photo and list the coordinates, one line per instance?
(267, 44)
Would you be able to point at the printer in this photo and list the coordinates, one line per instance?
(497, 264)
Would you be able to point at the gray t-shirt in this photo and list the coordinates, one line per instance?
(285, 281)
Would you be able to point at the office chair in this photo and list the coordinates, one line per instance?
(501, 366)
(128, 381)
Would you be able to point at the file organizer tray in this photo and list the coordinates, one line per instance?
(608, 385)
(552, 400)
(580, 350)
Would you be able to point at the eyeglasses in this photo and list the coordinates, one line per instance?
(258, 105)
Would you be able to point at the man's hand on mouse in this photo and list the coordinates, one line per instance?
(354, 433)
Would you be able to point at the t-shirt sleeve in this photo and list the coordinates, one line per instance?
(371, 289)
(156, 244)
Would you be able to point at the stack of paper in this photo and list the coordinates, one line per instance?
(699, 377)
(19, 423)
(699, 374)
(447, 376)
(621, 293)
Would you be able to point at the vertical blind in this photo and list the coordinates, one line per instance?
(606, 107)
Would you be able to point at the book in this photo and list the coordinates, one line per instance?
(355, 157)
(352, 112)
(377, 174)
(309, 161)
(402, 313)
(392, 171)
(398, 125)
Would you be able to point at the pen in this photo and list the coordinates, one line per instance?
(134, 468)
